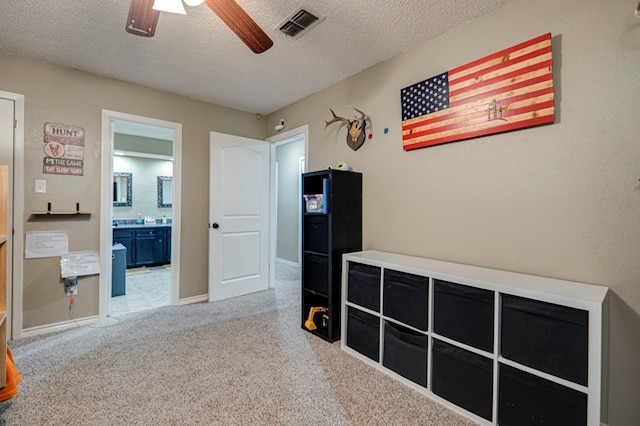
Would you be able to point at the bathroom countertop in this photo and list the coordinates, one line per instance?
(136, 226)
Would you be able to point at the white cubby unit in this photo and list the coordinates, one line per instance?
(497, 347)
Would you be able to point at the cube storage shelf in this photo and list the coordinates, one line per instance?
(498, 347)
(327, 233)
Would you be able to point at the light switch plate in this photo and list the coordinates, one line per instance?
(41, 186)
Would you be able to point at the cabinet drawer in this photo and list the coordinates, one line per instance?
(363, 287)
(464, 314)
(363, 333)
(123, 233)
(405, 352)
(464, 378)
(406, 298)
(155, 232)
(545, 336)
(316, 273)
(527, 400)
(316, 234)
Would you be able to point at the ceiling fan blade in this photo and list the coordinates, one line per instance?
(142, 19)
(241, 23)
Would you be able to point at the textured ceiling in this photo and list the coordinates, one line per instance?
(196, 55)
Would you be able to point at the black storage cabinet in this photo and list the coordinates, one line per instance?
(326, 236)
(464, 314)
(463, 377)
(405, 352)
(406, 298)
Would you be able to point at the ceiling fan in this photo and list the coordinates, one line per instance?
(144, 14)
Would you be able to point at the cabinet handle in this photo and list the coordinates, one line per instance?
(215, 226)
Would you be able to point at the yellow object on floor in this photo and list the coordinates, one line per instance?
(309, 324)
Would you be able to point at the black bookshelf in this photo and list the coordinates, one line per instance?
(330, 227)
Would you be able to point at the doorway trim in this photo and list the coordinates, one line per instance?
(276, 140)
(106, 213)
(14, 291)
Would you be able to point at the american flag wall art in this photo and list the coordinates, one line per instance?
(508, 90)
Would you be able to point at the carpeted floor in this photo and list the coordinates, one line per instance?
(242, 361)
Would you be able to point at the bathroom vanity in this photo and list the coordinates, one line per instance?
(146, 244)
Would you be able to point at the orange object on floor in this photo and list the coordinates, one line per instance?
(13, 379)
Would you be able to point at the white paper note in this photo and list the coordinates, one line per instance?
(46, 244)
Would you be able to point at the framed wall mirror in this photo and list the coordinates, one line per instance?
(165, 191)
(122, 189)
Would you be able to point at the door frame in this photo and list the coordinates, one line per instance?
(106, 206)
(280, 139)
(16, 263)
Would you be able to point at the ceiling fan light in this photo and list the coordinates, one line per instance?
(193, 3)
(172, 6)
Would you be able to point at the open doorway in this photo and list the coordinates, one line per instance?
(140, 194)
(289, 151)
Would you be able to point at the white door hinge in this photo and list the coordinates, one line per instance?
(15, 124)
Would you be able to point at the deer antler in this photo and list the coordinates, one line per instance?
(336, 118)
(362, 114)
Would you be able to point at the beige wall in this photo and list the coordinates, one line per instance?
(561, 200)
(59, 95)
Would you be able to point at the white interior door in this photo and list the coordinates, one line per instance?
(238, 216)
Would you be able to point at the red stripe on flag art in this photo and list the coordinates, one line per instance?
(508, 90)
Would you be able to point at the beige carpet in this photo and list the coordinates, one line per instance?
(243, 361)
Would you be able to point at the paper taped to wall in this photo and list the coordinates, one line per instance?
(46, 244)
(80, 263)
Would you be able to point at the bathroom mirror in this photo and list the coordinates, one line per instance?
(122, 189)
(165, 191)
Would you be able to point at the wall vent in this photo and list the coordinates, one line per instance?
(299, 22)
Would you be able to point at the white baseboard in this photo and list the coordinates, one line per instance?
(194, 299)
(287, 262)
(59, 326)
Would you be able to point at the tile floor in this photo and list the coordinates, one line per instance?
(144, 291)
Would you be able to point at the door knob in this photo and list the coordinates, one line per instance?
(215, 226)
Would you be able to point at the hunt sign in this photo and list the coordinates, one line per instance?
(64, 149)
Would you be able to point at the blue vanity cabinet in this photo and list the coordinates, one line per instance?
(146, 245)
(126, 237)
(150, 246)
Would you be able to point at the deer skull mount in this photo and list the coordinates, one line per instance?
(356, 128)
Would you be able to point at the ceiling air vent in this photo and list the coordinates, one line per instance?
(299, 22)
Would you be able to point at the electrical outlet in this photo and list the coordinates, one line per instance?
(41, 186)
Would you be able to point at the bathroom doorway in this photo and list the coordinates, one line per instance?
(143, 190)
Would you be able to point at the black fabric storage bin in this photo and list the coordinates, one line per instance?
(547, 337)
(463, 378)
(527, 400)
(316, 233)
(316, 273)
(405, 352)
(406, 298)
(363, 333)
(363, 287)
(464, 314)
